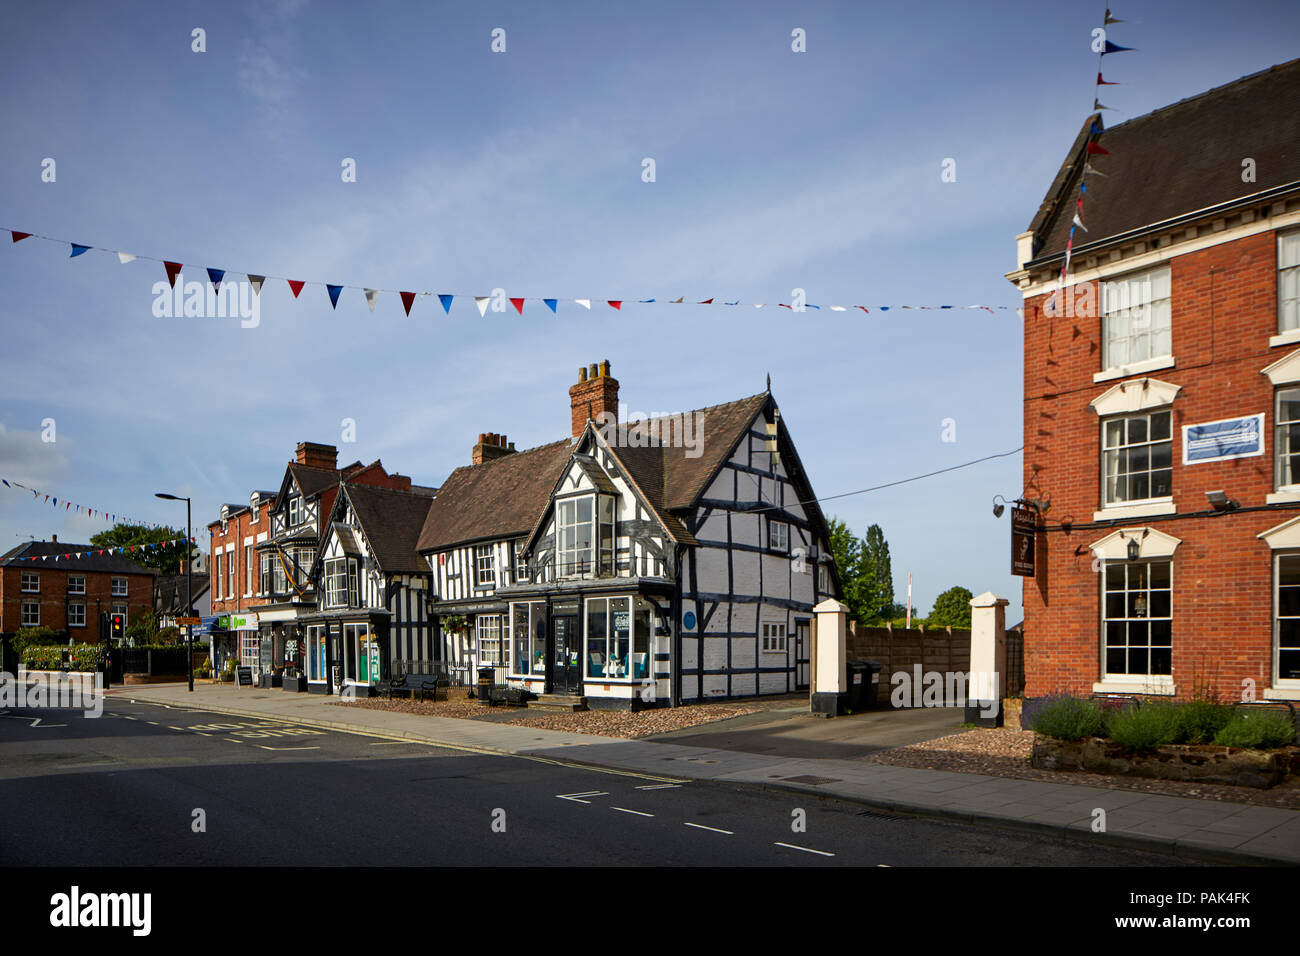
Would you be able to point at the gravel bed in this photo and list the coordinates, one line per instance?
(605, 723)
(1005, 752)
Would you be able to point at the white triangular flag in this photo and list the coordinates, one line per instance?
(759, 305)
(1079, 222)
(482, 302)
(371, 296)
(124, 257)
(838, 308)
(585, 303)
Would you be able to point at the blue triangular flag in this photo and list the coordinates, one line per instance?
(645, 300)
(550, 303)
(446, 302)
(77, 249)
(1114, 48)
(334, 291)
(215, 276)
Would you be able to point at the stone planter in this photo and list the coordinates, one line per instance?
(295, 684)
(1200, 762)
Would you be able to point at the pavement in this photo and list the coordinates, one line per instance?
(1204, 830)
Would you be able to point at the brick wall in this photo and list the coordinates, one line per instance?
(1223, 311)
(945, 650)
(54, 597)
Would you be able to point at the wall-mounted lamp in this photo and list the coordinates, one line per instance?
(1134, 548)
(1221, 502)
(999, 508)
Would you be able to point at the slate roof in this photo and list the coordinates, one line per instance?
(391, 520)
(1180, 159)
(507, 497)
(92, 563)
(169, 591)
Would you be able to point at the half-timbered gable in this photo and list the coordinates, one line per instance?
(373, 618)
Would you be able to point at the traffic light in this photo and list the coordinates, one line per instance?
(117, 626)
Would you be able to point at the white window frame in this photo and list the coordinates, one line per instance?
(248, 570)
(354, 583)
(773, 637)
(1288, 273)
(521, 564)
(232, 570)
(30, 582)
(488, 642)
(782, 535)
(297, 511)
(76, 584)
(823, 579)
(485, 566)
(336, 582)
(1109, 677)
(1144, 308)
(1148, 414)
(569, 562)
(1288, 683)
(76, 606)
(31, 614)
(217, 577)
(119, 592)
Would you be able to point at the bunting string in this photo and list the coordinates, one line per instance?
(68, 506)
(126, 550)
(216, 277)
(1077, 220)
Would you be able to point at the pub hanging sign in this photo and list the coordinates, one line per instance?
(1024, 523)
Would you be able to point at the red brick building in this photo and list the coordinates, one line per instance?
(1162, 402)
(69, 594)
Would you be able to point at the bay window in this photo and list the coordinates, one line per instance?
(585, 535)
(618, 638)
(1137, 619)
(528, 631)
(336, 582)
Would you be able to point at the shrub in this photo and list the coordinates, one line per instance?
(1144, 728)
(81, 657)
(1200, 720)
(1260, 730)
(1068, 718)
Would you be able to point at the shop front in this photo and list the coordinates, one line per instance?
(346, 655)
(611, 647)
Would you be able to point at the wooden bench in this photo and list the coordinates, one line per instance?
(417, 686)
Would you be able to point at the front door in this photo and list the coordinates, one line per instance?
(801, 667)
(566, 662)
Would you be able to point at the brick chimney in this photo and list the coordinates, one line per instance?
(318, 456)
(596, 392)
(54, 539)
(490, 447)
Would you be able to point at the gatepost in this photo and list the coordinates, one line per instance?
(830, 658)
(988, 660)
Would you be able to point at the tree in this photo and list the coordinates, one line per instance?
(951, 609)
(847, 551)
(877, 574)
(166, 560)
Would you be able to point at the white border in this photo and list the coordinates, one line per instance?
(1240, 418)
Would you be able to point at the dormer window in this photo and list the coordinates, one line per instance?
(585, 535)
(255, 512)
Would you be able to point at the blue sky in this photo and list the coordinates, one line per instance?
(522, 171)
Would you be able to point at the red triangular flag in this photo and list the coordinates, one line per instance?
(408, 299)
(296, 286)
(1101, 82)
(1095, 150)
(19, 236)
(173, 270)
(708, 301)
(615, 303)
(518, 304)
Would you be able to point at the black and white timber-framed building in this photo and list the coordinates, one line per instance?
(662, 562)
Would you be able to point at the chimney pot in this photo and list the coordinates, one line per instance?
(604, 368)
(54, 539)
(582, 374)
(592, 371)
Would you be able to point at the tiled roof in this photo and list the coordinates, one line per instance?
(508, 496)
(1178, 160)
(497, 499)
(95, 563)
(391, 521)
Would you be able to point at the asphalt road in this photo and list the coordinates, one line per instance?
(129, 788)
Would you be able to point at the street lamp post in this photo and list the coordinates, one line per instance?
(189, 599)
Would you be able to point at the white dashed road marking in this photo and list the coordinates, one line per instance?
(637, 812)
(701, 826)
(805, 849)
